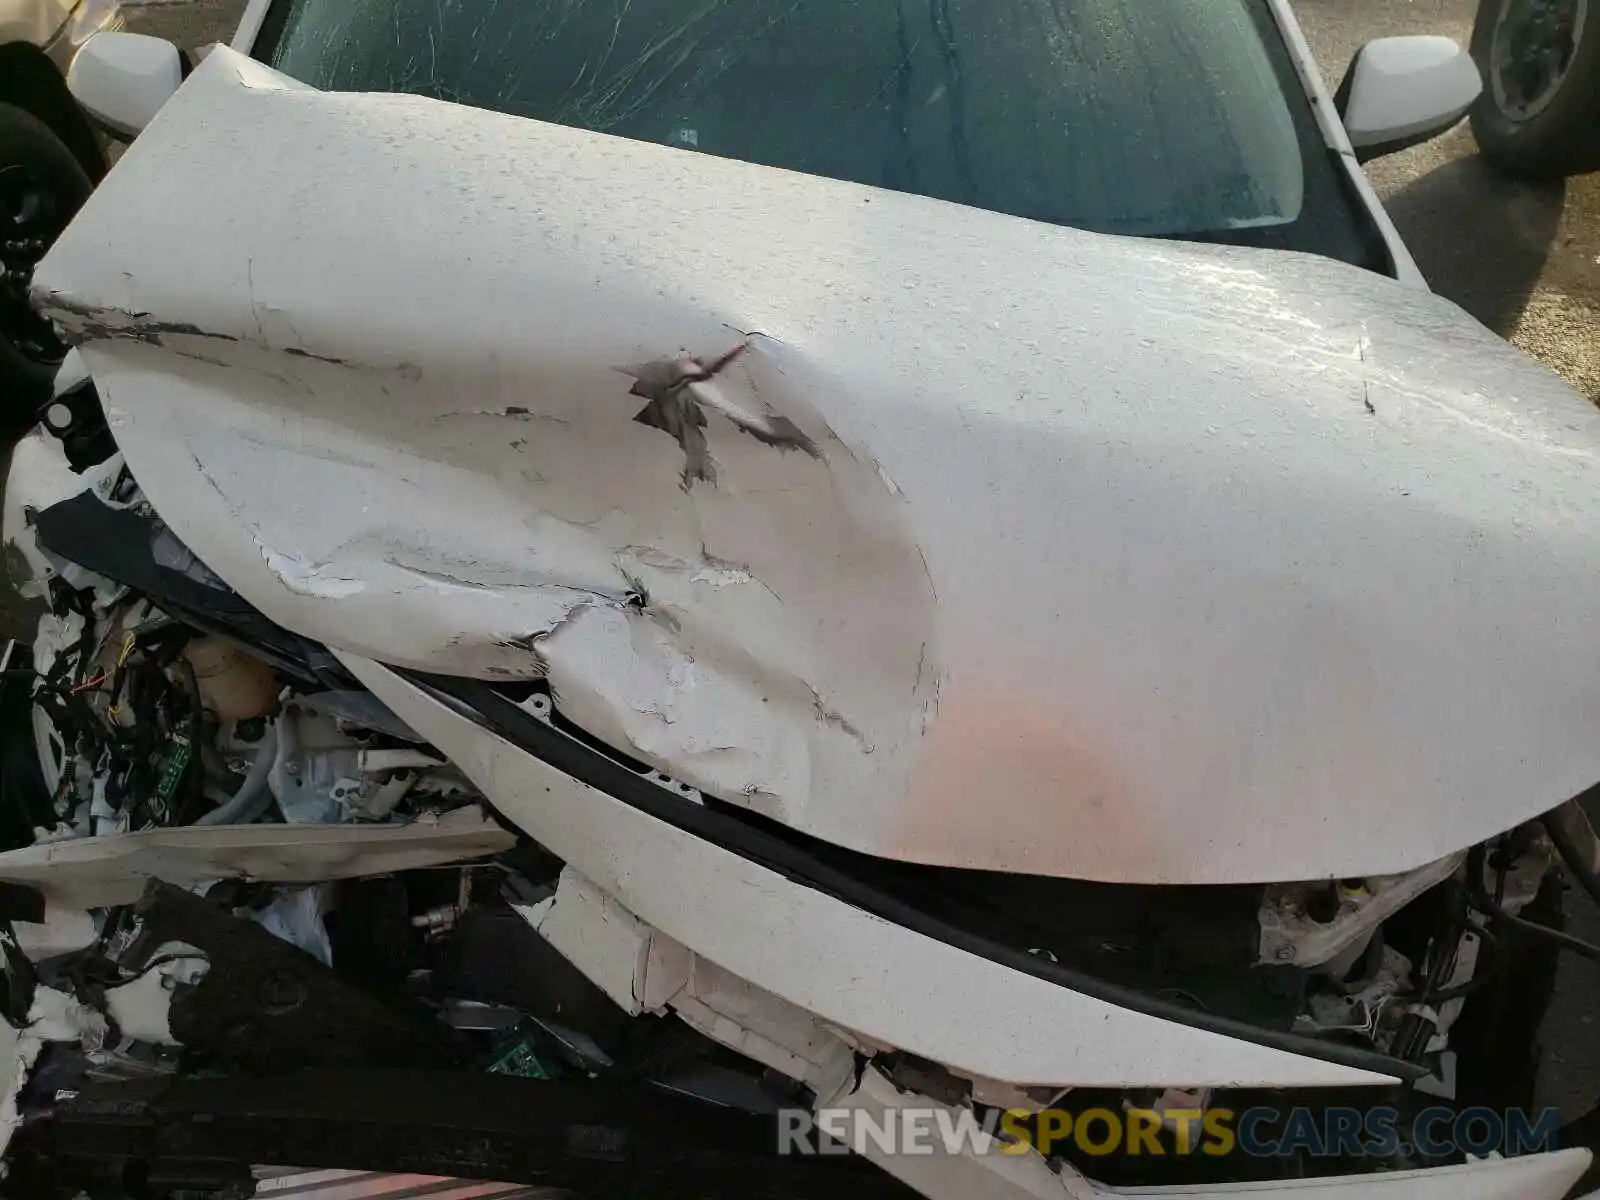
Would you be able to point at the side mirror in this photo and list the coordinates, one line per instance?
(123, 79)
(1400, 91)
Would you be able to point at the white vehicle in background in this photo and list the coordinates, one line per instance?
(737, 561)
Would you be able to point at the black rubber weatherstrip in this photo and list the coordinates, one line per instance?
(566, 754)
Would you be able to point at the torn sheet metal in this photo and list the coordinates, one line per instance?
(942, 535)
(103, 871)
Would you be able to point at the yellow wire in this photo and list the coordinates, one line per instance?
(127, 649)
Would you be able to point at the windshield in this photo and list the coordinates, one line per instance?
(1124, 116)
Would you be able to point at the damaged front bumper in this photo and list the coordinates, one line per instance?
(324, 1077)
(530, 1028)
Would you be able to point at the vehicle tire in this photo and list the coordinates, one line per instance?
(42, 185)
(1539, 115)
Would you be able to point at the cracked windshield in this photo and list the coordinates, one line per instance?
(1134, 118)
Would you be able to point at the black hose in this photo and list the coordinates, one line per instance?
(1564, 940)
(1486, 903)
(1411, 1039)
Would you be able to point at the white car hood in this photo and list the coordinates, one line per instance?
(995, 544)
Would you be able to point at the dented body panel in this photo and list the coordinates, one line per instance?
(938, 534)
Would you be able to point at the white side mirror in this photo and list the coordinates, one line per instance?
(1403, 90)
(123, 79)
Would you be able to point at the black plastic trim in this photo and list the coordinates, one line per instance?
(589, 1139)
(271, 31)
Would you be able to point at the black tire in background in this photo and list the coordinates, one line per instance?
(1561, 138)
(42, 185)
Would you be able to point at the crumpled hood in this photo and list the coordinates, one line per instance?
(938, 534)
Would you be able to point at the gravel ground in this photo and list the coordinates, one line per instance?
(1524, 260)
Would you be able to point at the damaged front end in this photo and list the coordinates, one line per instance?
(285, 896)
(449, 749)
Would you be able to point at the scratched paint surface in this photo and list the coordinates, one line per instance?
(941, 534)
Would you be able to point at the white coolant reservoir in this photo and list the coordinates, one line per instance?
(234, 684)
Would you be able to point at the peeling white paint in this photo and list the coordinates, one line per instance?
(720, 574)
(1169, 584)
